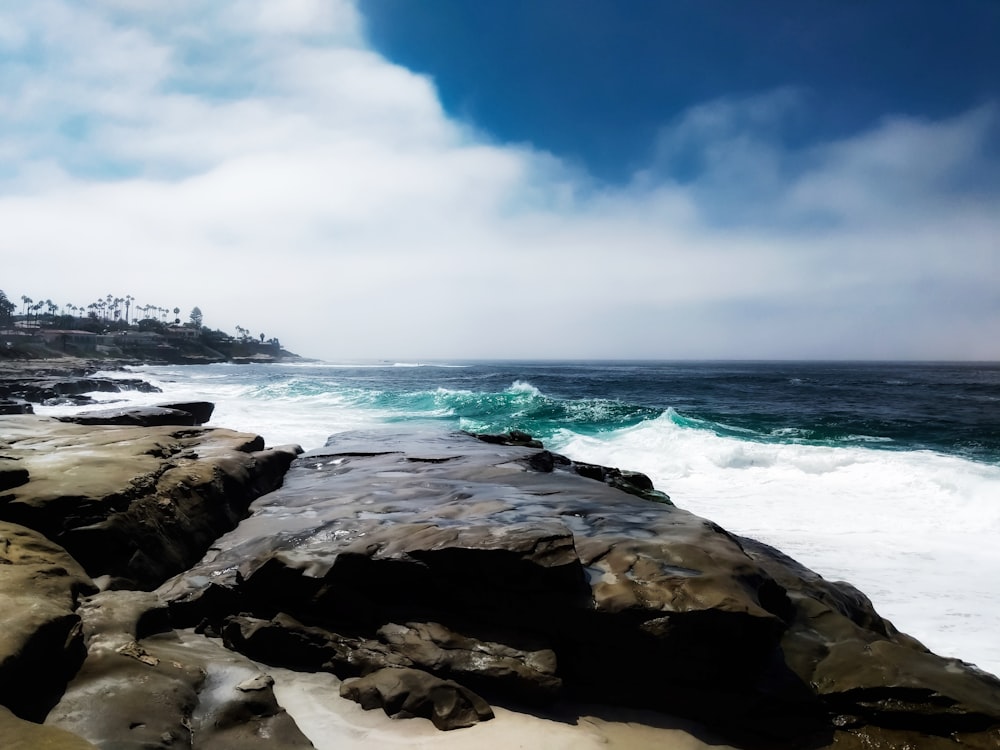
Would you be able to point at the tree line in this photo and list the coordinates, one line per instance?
(109, 313)
(109, 309)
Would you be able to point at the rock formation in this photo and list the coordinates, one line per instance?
(434, 574)
(40, 385)
(464, 560)
(135, 504)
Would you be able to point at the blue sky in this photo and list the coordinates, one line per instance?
(531, 178)
(595, 80)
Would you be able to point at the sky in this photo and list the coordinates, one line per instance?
(450, 179)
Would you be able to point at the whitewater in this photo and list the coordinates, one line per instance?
(885, 476)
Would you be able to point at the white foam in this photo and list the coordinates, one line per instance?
(916, 531)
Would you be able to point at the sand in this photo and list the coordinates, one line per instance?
(334, 723)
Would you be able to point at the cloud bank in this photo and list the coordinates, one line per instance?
(274, 170)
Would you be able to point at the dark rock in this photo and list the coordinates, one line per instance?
(12, 475)
(526, 672)
(38, 386)
(41, 642)
(200, 410)
(69, 401)
(15, 406)
(419, 550)
(865, 671)
(632, 482)
(133, 416)
(513, 437)
(167, 690)
(406, 693)
(138, 504)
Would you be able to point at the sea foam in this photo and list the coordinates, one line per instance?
(916, 530)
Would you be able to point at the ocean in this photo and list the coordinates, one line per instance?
(886, 475)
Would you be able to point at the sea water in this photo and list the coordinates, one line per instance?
(886, 475)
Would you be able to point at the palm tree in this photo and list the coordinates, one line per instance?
(129, 299)
(27, 301)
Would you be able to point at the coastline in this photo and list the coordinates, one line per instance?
(619, 727)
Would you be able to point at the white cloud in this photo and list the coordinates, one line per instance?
(313, 190)
(901, 168)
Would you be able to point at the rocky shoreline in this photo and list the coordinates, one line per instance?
(168, 585)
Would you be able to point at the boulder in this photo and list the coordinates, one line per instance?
(526, 673)
(512, 437)
(41, 641)
(407, 693)
(200, 410)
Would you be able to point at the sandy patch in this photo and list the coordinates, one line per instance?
(333, 723)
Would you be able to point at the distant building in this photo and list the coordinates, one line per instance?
(60, 339)
(180, 332)
(135, 338)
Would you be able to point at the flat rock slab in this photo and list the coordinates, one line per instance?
(15, 406)
(408, 693)
(142, 416)
(200, 410)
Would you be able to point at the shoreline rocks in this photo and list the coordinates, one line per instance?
(136, 504)
(434, 574)
(380, 548)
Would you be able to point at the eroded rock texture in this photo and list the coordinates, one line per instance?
(136, 504)
(89, 507)
(514, 573)
(162, 689)
(432, 573)
(41, 640)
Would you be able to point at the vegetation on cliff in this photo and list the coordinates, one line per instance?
(114, 327)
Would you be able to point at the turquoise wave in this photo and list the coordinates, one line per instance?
(519, 407)
(522, 406)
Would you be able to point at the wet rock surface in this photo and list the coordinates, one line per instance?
(41, 641)
(182, 413)
(144, 416)
(167, 689)
(39, 386)
(387, 551)
(434, 574)
(136, 504)
(85, 508)
(15, 406)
